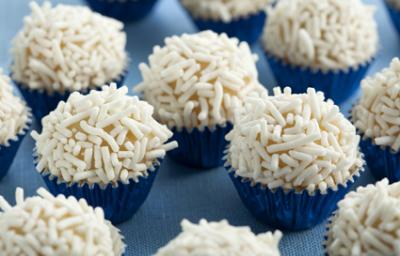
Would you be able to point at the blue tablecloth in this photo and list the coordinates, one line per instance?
(178, 192)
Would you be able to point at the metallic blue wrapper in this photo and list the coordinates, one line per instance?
(43, 103)
(246, 29)
(289, 210)
(382, 161)
(119, 202)
(128, 11)
(7, 153)
(200, 149)
(394, 15)
(336, 85)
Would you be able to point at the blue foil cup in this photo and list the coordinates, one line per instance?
(382, 161)
(394, 15)
(246, 29)
(43, 103)
(200, 149)
(119, 202)
(8, 152)
(128, 11)
(288, 210)
(336, 85)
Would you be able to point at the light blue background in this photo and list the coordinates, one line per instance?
(178, 192)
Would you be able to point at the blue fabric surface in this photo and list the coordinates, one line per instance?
(178, 192)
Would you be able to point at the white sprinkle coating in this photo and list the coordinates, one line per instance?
(104, 137)
(199, 80)
(294, 141)
(225, 10)
(367, 222)
(48, 225)
(15, 116)
(68, 48)
(222, 239)
(377, 114)
(321, 34)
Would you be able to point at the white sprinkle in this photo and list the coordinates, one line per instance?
(303, 155)
(97, 155)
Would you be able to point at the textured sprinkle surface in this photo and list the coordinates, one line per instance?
(220, 238)
(15, 116)
(199, 80)
(377, 114)
(178, 192)
(49, 225)
(225, 10)
(295, 141)
(100, 138)
(367, 222)
(321, 34)
(64, 47)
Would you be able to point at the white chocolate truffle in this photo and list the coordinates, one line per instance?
(15, 116)
(222, 239)
(377, 114)
(225, 10)
(103, 137)
(68, 48)
(367, 222)
(48, 225)
(294, 141)
(321, 34)
(199, 80)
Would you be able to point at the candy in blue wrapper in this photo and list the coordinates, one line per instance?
(126, 11)
(200, 149)
(382, 161)
(43, 103)
(119, 202)
(7, 153)
(246, 29)
(394, 15)
(288, 210)
(336, 85)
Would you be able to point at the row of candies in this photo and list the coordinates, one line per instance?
(291, 156)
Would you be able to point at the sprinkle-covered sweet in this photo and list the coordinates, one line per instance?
(321, 34)
(14, 114)
(220, 238)
(199, 80)
(377, 114)
(48, 225)
(294, 141)
(225, 10)
(103, 137)
(68, 48)
(367, 222)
